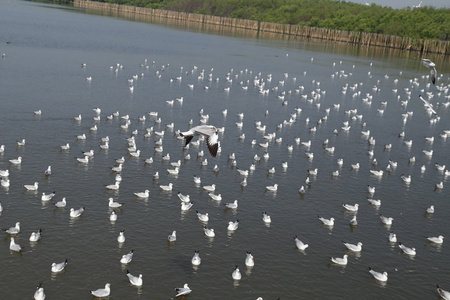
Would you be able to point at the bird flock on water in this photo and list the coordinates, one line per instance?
(211, 136)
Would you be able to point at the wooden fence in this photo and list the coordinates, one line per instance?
(266, 29)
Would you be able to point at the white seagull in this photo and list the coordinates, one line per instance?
(166, 188)
(144, 194)
(266, 218)
(328, 222)
(407, 250)
(232, 205)
(436, 240)
(209, 132)
(249, 259)
(183, 291)
(114, 204)
(443, 293)
(39, 294)
(35, 236)
(349, 207)
(383, 277)
(209, 232)
(14, 230)
(428, 105)
(340, 261)
(102, 292)
(75, 213)
(299, 244)
(202, 216)
(32, 187)
(233, 225)
(16, 161)
(62, 203)
(196, 260)
(13, 246)
(127, 258)
(173, 237)
(236, 275)
(353, 247)
(386, 220)
(432, 67)
(135, 280)
(47, 197)
(59, 267)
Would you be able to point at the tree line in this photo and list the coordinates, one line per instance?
(423, 22)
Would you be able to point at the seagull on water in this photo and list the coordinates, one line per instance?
(340, 261)
(236, 275)
(432, 67)
(121, 237)
(16, 161)
(35, 236)
(183, 291)
(444, 294)
(209, 232)
(383, 277)
(14, 230)
(59, 267)
(127, 258)
(299, 244)
(166, 188)
(75, 213)
(172, 237)
(32, 187)
(202, 216)
(210, 188)
(249, 259)
(407, 250)
(144, 194)
(353, 247)
(114, 204)
(209, 132)
(196, 260)
(39, 294)
(233, 225)
(266, 218)
(436, 240)
(102, 292)
(232, 205)
(386, 220)
(428, 105)
(13, 246)
(349, 207)
(135, 280)
(47, 197)
(328, 222)
(62, 203)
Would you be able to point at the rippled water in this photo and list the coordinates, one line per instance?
(42, 70)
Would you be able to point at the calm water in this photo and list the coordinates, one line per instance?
(42, 70)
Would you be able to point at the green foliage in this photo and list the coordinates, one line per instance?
(425, 22)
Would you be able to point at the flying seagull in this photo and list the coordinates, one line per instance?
(430, 65)
(209, 132)
(428, 105)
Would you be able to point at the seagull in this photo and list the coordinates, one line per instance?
(16, 161)
(75, 213)
(353, 221)
(197, 180)
(13, 246)
(186, 205)
(340, 261)
(436, 240)
(236, 275)
(210, 188)
(126, 258)
(249, 259)
(233, 225)
(353, 247)
(32, 187)
(35, 236)
(202, 216)
(386, 220)
(209, 232)
(209, 132)
(232, 205)
(144, 194)
(375, 202)
(428, 105)
(430, 210)
(47, 197)
(114, 204)
(173, 237)
(272, 188)
(39, 294)
(407, 250)
(48, 172)
(113, 216)
(166, 188)
(432, 67)
(184, 198)
(353, 208)
(102, 292)
(62, 203)
(121, 237)
(14, 230)
(299, 244)
(383, 277)
(392, 237)
(215, 197)
(134, 280)
(444, 294)
(266, 218)
(196, 260)
(328, 222)
(59, 267)
(183, 291)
